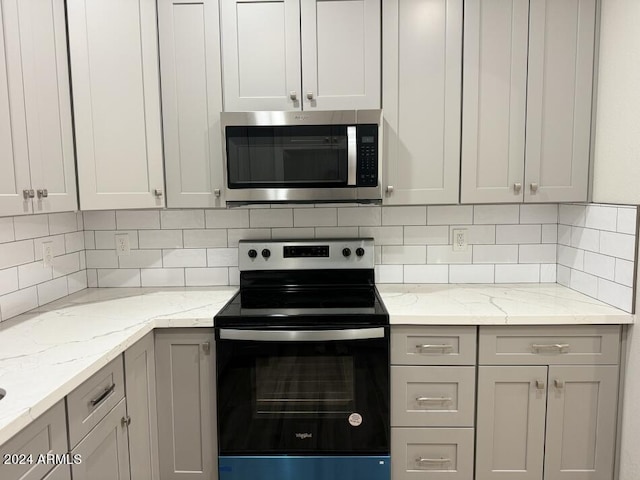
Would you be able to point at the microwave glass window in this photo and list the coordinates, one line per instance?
(302, 386)
(287, 156)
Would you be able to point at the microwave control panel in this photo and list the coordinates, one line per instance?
(367, 171)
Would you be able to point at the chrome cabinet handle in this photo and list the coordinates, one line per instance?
(293, 95)
(43, 193)
(216, 192)
(559, 384)
(103, 395)
(352, 155)
(434, 399)
(28, 193)
(540, 385)
(560, 347)
(433, 460)
(309, 95)
(206, 348)
(158, 192)
(390, 189)
(517, 187)
(441, 348)
(125, 421)
(534, 187)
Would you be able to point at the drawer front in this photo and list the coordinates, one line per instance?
(46, 434)
(432, 396)
(91, 401)
(431, 453)
(61, 472)
(549, 345)
(433, 345)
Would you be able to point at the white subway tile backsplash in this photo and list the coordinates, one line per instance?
(63, 223)
(510, 234)
(89, 240)
(518, 273)
(33, 274)
(77, 281)
(237, 234)
(550, 234)
(383, 235)
(9, 280)
(160, 239)
(548, 273)
(601, 218)
(359, 217)
(16, 253)
(18, 302)
(205, 238)
(571, 257)
(184, 257)
(444, 254)
(404, 215)
(105, 239)
(222, 257)
(471, 273)
(162, 277)
(574, 215)
(74, 242)
(544, 213)
(315, 217)
(52, 290)
(58, 245)
(138, 219)
(564, 235)
(495, 254)
(563, 275)
(234, 276)
(206, 277)
(627, 218)
(450, 215)
(118, 277)
(292, 233)
(140, 259)
(599, 265)
(267, 218)
(404, 255)
(234, 218)
(426, 274)
(615, 294)
(181, 219)
(476, 234)
(101, 220)
(496, 214)
(7, 233)
(102, 259)
(66, 264)
(585, 239)
(433, 235)
(389, 273)
(624, 272)
(619, 245)
(92, 278)
(584, 283)
(545, 253)
(31, 226)
(336, 232)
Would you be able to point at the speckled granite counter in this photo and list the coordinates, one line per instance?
(48, 352)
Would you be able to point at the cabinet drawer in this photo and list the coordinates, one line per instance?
(431, 453)
(433, 345)
(432, 396)
(554, 345)
(61, 472)
(46, 434)
(91, 401)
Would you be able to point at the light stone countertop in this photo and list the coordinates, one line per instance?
(46, 353)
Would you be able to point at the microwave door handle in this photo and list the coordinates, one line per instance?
(301, 335)
(352, 155)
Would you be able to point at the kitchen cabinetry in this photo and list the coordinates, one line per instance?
(186, 404)
(36, 139)
(301, 55)
(425, 395)
(527, 94)
(191, 101)
(116, 97)
(422, 88)
(140, 390)
(552, 414)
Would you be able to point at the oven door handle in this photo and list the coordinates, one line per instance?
(301, 335)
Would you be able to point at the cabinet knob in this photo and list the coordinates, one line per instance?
(517, 187)
(310, 95)
(558, 383)
(43, 193)
(540, 385)
(206, 348)
(216, 192)
(390, 189)
(28, 193)
(293, 95)
(125, 421)
(157, 192)
(534, 187)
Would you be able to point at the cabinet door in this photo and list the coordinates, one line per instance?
(61, 472)
(116, 98)
(261, 54)
(191, 101)
(47, 100)
(510, 425)
(14, 153)
(581, 422)
(340, 54)
(561, 53)
(186, 404)
(422, 88)
(104, 451)
(140, 388)
(494, 100)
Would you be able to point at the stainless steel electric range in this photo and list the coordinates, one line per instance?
(303, 365)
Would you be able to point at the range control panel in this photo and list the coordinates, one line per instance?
(305, 254)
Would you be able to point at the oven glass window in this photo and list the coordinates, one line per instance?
(304, 386)
(287, 157)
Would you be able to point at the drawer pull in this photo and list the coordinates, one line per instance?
(432, 461)
(105, 393)
(559, 384)
(440, 347)
(434, 399)
(560, 347)
(125, 421)
(540, 385)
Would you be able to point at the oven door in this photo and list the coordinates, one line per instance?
(301, 391)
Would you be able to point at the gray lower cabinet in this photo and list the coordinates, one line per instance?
(61, 472)
(140, 389)
(105, 450)
(186, 404)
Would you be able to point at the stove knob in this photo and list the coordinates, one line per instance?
(360, 251)
(346, 252)
(266, 253)
(253, 253)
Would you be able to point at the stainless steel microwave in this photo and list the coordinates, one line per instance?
(330, 156)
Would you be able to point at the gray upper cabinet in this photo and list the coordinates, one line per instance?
(116, 98)
(300, 55)
(36, 138)
(422, 77)
(192, 101)
(528, 70)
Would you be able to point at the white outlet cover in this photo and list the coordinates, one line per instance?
(122, 244)
(47, 254)
(460, 240)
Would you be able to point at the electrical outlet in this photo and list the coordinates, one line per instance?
(47, 254)
(460, 240)
(122, 244)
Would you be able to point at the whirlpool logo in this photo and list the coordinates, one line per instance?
(302, 436)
